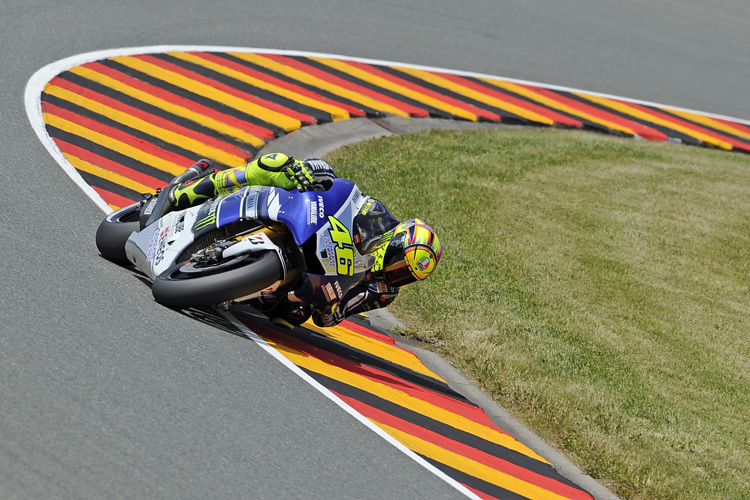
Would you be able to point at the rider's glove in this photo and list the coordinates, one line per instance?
(329, 316)
(321, 171)
(301, 176)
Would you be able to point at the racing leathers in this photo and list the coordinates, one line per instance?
(275, 170)
(367, 295)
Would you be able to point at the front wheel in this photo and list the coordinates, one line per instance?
(192, 284)
(115, 230)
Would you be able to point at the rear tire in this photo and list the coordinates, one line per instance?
(189, 284)
(115, 230)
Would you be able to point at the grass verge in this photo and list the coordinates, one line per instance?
(595, 287)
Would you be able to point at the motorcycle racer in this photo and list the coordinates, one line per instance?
(404, 252)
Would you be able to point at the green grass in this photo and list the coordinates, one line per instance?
(595, 287)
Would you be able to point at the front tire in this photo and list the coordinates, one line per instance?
(189, 284)
(115, 230)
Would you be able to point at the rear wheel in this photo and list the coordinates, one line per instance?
(115, 230)
(191, 284)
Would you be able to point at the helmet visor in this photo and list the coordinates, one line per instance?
(398, 274)
(396, 270)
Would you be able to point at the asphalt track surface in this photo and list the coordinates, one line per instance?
(106, 394)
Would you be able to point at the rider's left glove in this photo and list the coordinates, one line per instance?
(301, 176)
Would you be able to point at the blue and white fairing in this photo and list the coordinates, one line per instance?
(326, 216)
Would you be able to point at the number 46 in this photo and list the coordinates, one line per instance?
(344, 246)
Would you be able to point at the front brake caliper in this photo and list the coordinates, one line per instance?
(212, 254)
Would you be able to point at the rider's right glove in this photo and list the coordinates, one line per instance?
(330, 315)
(321, 171)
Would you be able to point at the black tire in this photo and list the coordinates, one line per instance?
(115, 230)
(190, 285)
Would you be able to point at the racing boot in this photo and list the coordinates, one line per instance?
(155, 207)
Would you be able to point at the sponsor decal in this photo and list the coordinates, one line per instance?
(214, 206)
(161, 247)
(205, 222)
(256, 239)
(251, 204)
(321, 210)
(329, 293)
(150, 207)
(313, 213)
(339, 292)
(330, 251)
(367, 207)
(153, 239)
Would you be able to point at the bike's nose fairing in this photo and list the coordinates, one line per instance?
(155, 248)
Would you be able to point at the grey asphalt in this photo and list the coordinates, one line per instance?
(104, 394)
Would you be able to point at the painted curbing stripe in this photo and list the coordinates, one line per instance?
(394, 354)
(529, 109)
(245, 330)
(744, 128)
(550, 104)
(155, 96)
(475, 469)
(116, 100)
(149, 182)
(114, 201)
(402, 87)
(168, 73)
(244, 75)
(387, 379)
(115, 140)
(196, 102)
(312, 76)
(107, 175)
(434, 424)
(608, 119)
(552, 481)
(110, 109)
(401, 398)
(474, 91)
(335, 107)
(271, 101)
(641, 113)
(713, 123)
(91, 150)
(118, 189)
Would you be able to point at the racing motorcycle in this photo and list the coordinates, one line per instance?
(257, 245)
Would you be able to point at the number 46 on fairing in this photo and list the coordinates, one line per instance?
(344, 246)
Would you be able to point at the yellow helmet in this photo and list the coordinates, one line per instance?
(408, 253)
